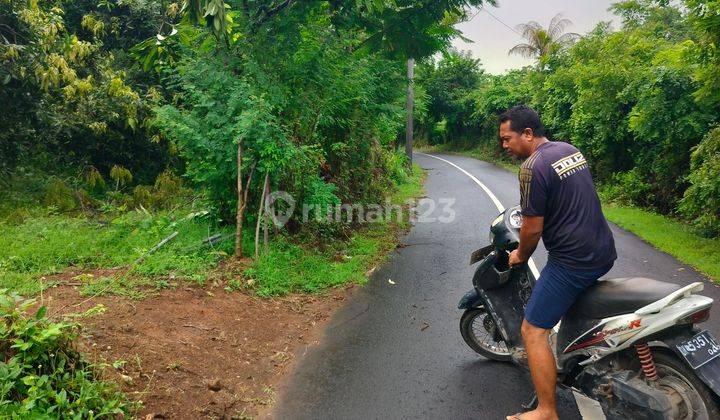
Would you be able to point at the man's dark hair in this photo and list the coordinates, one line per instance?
(522, 117)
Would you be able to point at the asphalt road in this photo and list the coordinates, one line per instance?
(395, 351)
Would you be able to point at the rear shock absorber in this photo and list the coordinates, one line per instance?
(646, 361)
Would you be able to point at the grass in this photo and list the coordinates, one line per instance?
(671, 236)
(291, 267)
(664, 233)
(44, 245)
(41, 246)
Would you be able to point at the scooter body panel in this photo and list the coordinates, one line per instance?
(505, 292)
(617, 333)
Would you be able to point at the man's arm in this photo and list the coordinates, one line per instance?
(530, 234)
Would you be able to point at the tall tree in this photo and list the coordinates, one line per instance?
(542, 42)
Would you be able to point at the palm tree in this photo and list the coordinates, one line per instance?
(541, 41)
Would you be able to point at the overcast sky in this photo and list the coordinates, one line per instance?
(492, 39)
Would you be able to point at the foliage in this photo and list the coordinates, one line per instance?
(219, 110)
(449, 85)
(701, 202)
(306, 111)
(32, 193)
(705, 17)
(542, 42)
(123, 90)
(295, 266)
(42, 374)
(493, 97)
(70, 104)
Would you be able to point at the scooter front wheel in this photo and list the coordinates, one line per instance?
(479, 330)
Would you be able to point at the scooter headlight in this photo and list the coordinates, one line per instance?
(516, 219)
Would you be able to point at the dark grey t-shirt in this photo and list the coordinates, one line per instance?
(555, 183)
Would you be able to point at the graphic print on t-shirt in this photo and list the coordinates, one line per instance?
(569, 165)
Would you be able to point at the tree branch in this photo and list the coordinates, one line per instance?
(265, 13)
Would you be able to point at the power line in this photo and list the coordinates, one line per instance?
(476, 13)
(498, 19)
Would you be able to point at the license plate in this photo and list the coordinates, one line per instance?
(700, 349)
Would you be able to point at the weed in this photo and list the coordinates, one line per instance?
(162, 284)
(43, 373)
(118, 364)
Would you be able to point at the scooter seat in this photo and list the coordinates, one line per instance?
(612, 297)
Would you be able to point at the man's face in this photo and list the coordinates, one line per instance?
(514, 143)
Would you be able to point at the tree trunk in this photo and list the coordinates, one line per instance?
(260, 216)
(409, 111)
(265, 216)
(240, 203)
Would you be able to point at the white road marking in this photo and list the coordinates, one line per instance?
(492, 196)
(589, 408)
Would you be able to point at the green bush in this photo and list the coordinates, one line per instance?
(60, 195)
(702, 200)
(167, 191)
(397, 167)
(95, 181)
(628, 188)
(42, 375)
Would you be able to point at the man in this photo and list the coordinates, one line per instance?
(559, 203)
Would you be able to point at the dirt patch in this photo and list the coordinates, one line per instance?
(198, 352)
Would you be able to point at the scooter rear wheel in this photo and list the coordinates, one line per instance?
(698, 402)
(478, 329)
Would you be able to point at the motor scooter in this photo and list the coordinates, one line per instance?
(632, 344)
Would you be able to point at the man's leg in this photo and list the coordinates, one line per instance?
(550, 299)
(543, 371)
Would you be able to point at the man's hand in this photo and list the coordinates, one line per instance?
(530, 234)
(515, 259)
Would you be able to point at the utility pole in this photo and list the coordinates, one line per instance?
(409, 110)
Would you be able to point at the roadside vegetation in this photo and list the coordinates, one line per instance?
(641, 101)
(114, 252)
(114, 230)
(307, 267)
(42, 373)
